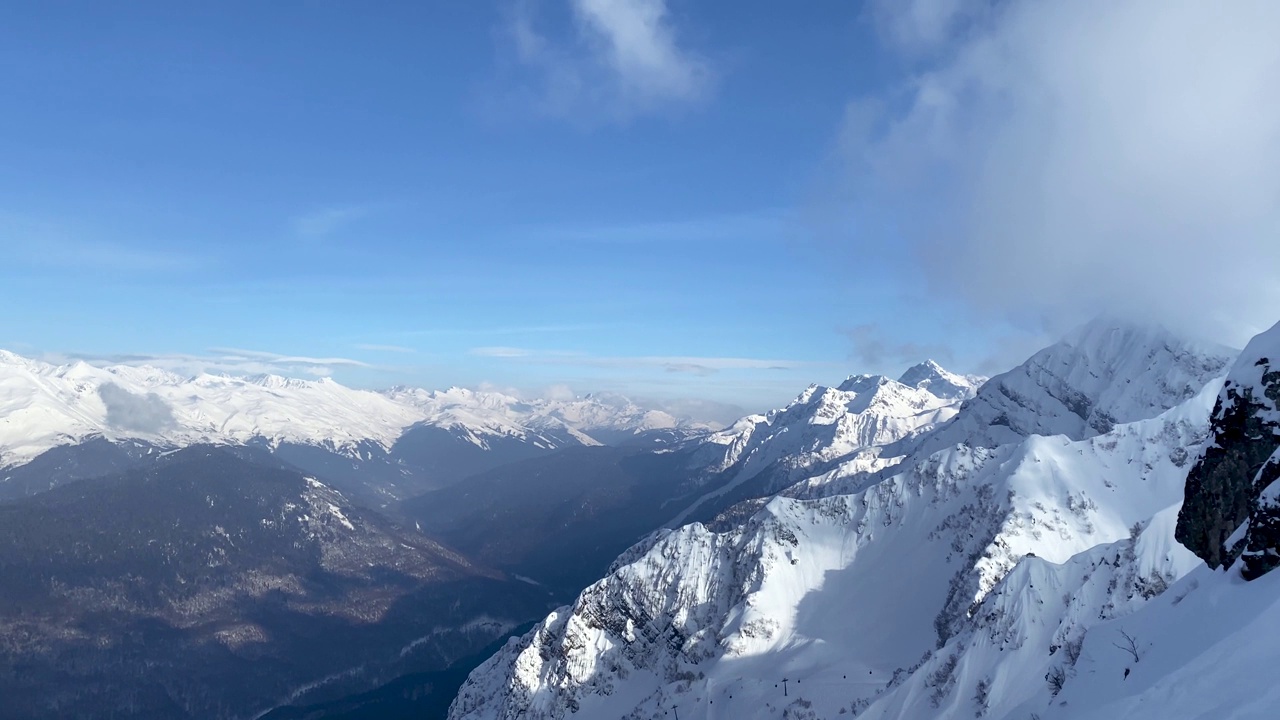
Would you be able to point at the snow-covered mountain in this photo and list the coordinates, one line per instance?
(43, 406)
(594, 502)
(593, 419)
(1206, 648)
(850, 425)
(1102, 374)
(955, 582)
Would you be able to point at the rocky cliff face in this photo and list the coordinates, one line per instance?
(1231, 507)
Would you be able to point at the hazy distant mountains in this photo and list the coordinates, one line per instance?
(378, 447)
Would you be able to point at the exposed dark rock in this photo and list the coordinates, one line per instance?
(1223, 489)
(1262, 542)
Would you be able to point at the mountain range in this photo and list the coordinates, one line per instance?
(1015, 560)
(1036, 544)
(377, 446)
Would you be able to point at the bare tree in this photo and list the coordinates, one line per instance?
(1073, 648)
(1056, 677)
(1130, 646)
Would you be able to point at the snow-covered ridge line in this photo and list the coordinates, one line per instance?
(848, 588)
(850, 425)
(820, 589)
(43, 405)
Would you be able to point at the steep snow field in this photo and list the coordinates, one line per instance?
(1207, 649)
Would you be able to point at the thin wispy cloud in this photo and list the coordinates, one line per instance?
(769, 224)
(673, 364)
(194, 364)
(40, 244)
(385, 348)
(501, 352)
(922, 26)
(277, 358)
(325, 222)
(620, 58)
(506, 330)
(874, 348)
(1085, 157)
(221, 361)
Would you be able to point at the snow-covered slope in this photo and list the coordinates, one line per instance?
(1207, 649)
(849, 425)
(1104, 373)
(933, 587)
(840, 594)
(44, 405)
(1026, 637)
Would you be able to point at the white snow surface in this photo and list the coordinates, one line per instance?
(43, 405)
(839, 593)
(981, 554)
(1104, 373)
(850, 424)
(1207, 650)
(1260, 356)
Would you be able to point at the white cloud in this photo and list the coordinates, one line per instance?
(917, 26)
(699, 410)
(621, 59)
(278, 359)
(1061, 159)
(558, 392)
(230, 361)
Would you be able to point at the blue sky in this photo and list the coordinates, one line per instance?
(634, 195)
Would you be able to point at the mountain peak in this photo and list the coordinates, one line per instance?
(862, 383)
(1114, 335)
(932, 377)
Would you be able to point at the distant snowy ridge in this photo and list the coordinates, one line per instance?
(43, 405)
(1104, 373)
(850, 425)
